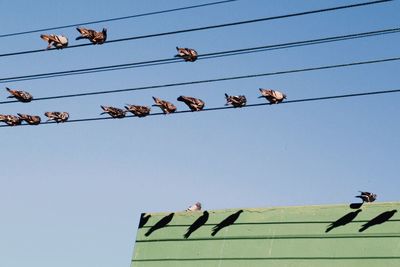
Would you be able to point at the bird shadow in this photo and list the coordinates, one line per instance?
(160, 224)
(197, 224)
(381, 218)
(143, 220)
(343, 220)
(226, 222)
(356, 205)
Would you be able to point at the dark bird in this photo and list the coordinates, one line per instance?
(226, 222)
(57, 116)
(139, 111)
(273, 96)
(30, 119)
(194, 104)
(188, 54)
(160, 224)
(92, 35)
(10, 120)
(166, 107)
(381, 218)
(20, 95)
(237, 101)
(343, 220)
(113, 112)
(367, 196)
(197, 224)
(143, 219)
(58, 41)
(195, 207)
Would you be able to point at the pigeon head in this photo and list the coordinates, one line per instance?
(180, 98)
(198, 205)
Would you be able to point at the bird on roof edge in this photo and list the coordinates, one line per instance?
(195, 207)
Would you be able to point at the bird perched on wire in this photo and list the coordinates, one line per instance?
(58, 41)
(92, 35)
(194, 104)
(30, 119)
(57, 116)
(10, 120)
(237, 101)
(166, 107)
(20, 95)
(188, 54)
(367, 196)
(139, 111)
(195, 207)
(113, 112)
(273, 96)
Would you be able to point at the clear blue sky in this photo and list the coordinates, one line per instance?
(72, 194)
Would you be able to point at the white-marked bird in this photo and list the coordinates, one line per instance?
(20, 95)
(367, 196)
(116, 113)
(10, 120)
(188, 54)
(273, 96)
(195, 207)
(194, 104)
(139, 111)
(92, 35)
(166, 107)
(237, 101)
(58, 41)
(57, 116)
(30, 119)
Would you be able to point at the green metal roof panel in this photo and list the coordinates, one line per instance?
(286, 236)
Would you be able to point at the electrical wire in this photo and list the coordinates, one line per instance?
(208, 27)
(203, 56)
(350, 64)
(302, 100)
(117, 18)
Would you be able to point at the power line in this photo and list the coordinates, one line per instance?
(203, 56)
(208, 27)
(117, 18)
(302, 100)
(216, 79)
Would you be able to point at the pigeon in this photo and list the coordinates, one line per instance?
(194, 104)
(195, 207)
(367, 196)
(237, 101)
(57, 116)
(30, 119)
(139, 111)
(166, 107)
(20, 95)
(10, 120)
(187, 54)
(273, 96)
(113, 112)
(93, 36)
(160, 224)
(197, 224)
(226, 222)
(58, 41)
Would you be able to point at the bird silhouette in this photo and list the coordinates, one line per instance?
(367, 196)
(194, 104)
(58, 41)
(343, 220)
(57, 116)
(381, 218)
(237, 101)
(188, 54)
(160, 224)
(10, 120)
(30, 119)
(20, 95)
(92, 35)
(226, 222)
(143, 219)
(195, 207)
(197, 224)
(273, 96)
(138, 111)
(166, 107)
(114, 112)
